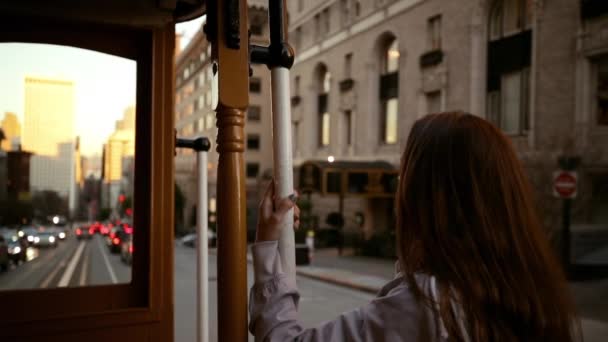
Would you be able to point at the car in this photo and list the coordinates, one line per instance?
(117, 235)
(84, 233)
(126, 250)
(46, 239)
(16, 247)
(4, 258)
(190, 239)
(96, 227)
(58, 232)
(28, 233)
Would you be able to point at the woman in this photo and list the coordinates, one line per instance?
(476, 263)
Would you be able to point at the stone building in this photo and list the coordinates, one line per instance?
(195, 103)
(366, 70)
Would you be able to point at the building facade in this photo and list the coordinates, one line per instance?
(48, 133)
(195, 103)
(366, 70)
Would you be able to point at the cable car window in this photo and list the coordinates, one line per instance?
(66, 166)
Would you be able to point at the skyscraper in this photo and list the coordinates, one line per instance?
(48, 133)
(12, 130)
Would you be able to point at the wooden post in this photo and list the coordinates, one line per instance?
(231, 50)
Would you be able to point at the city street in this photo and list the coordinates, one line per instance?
(71, 263)
(89, 262)
(319, 301)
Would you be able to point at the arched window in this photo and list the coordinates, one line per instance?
(509, 62)
(324, 88)
(509, 17)
(389, 91)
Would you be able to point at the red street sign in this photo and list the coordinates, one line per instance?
(564, 184)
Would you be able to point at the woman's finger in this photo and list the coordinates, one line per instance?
(283, 206)
(266, 205)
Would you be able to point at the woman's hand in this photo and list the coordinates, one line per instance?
(273, 214)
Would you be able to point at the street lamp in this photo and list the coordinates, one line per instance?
(331, 159)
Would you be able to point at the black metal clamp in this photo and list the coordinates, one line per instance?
(201, 144)
(279, 53)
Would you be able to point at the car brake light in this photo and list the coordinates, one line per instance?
(116, 241)
(78, 231)
(91, 231)
(131, 249)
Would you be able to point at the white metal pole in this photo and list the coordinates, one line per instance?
(202, 251)
(283, 162)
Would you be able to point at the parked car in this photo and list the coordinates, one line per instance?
(4, 258)
(190, 239)
(46, 239)
(16, 247)
(126, 250)
(84, 233)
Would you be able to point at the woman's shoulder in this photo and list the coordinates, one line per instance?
(395, 311)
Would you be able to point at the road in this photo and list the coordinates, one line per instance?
(89, 262)
(319, 301)
(71, 263)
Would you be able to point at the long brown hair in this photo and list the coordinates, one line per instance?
(465, 215)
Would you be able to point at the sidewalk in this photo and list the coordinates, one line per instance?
(370, 274)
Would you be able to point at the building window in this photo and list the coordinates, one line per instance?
(253, 142)
(389, 91)
(254, 113)
(326, 18)
(255, 85)
(324, 86)
(296, 87)
(602, 92)
(509, 62)
(348, 126)
(252, 170)
(317, 26)
(300, 5)
(434, 33)
(433, 102)
(298, 38)
(509, 17)
(325, 127)
(357, 9)
(345, 10)
(209, 121)
(348, 64)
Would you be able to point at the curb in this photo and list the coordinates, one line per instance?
(323, 278)
(339, 282)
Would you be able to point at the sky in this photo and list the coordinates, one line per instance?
(104, 85)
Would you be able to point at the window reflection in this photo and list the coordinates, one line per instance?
(67, 149)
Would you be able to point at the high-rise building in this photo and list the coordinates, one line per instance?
(48, 133)
(118, 151)
(12, 131)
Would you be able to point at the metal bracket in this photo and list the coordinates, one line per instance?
(201, 144)
(279, 53)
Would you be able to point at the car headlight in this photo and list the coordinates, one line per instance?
(20, 234)
(36, 239)
(14, 250)
(52, 239)
(62, 235)
(30, 238)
